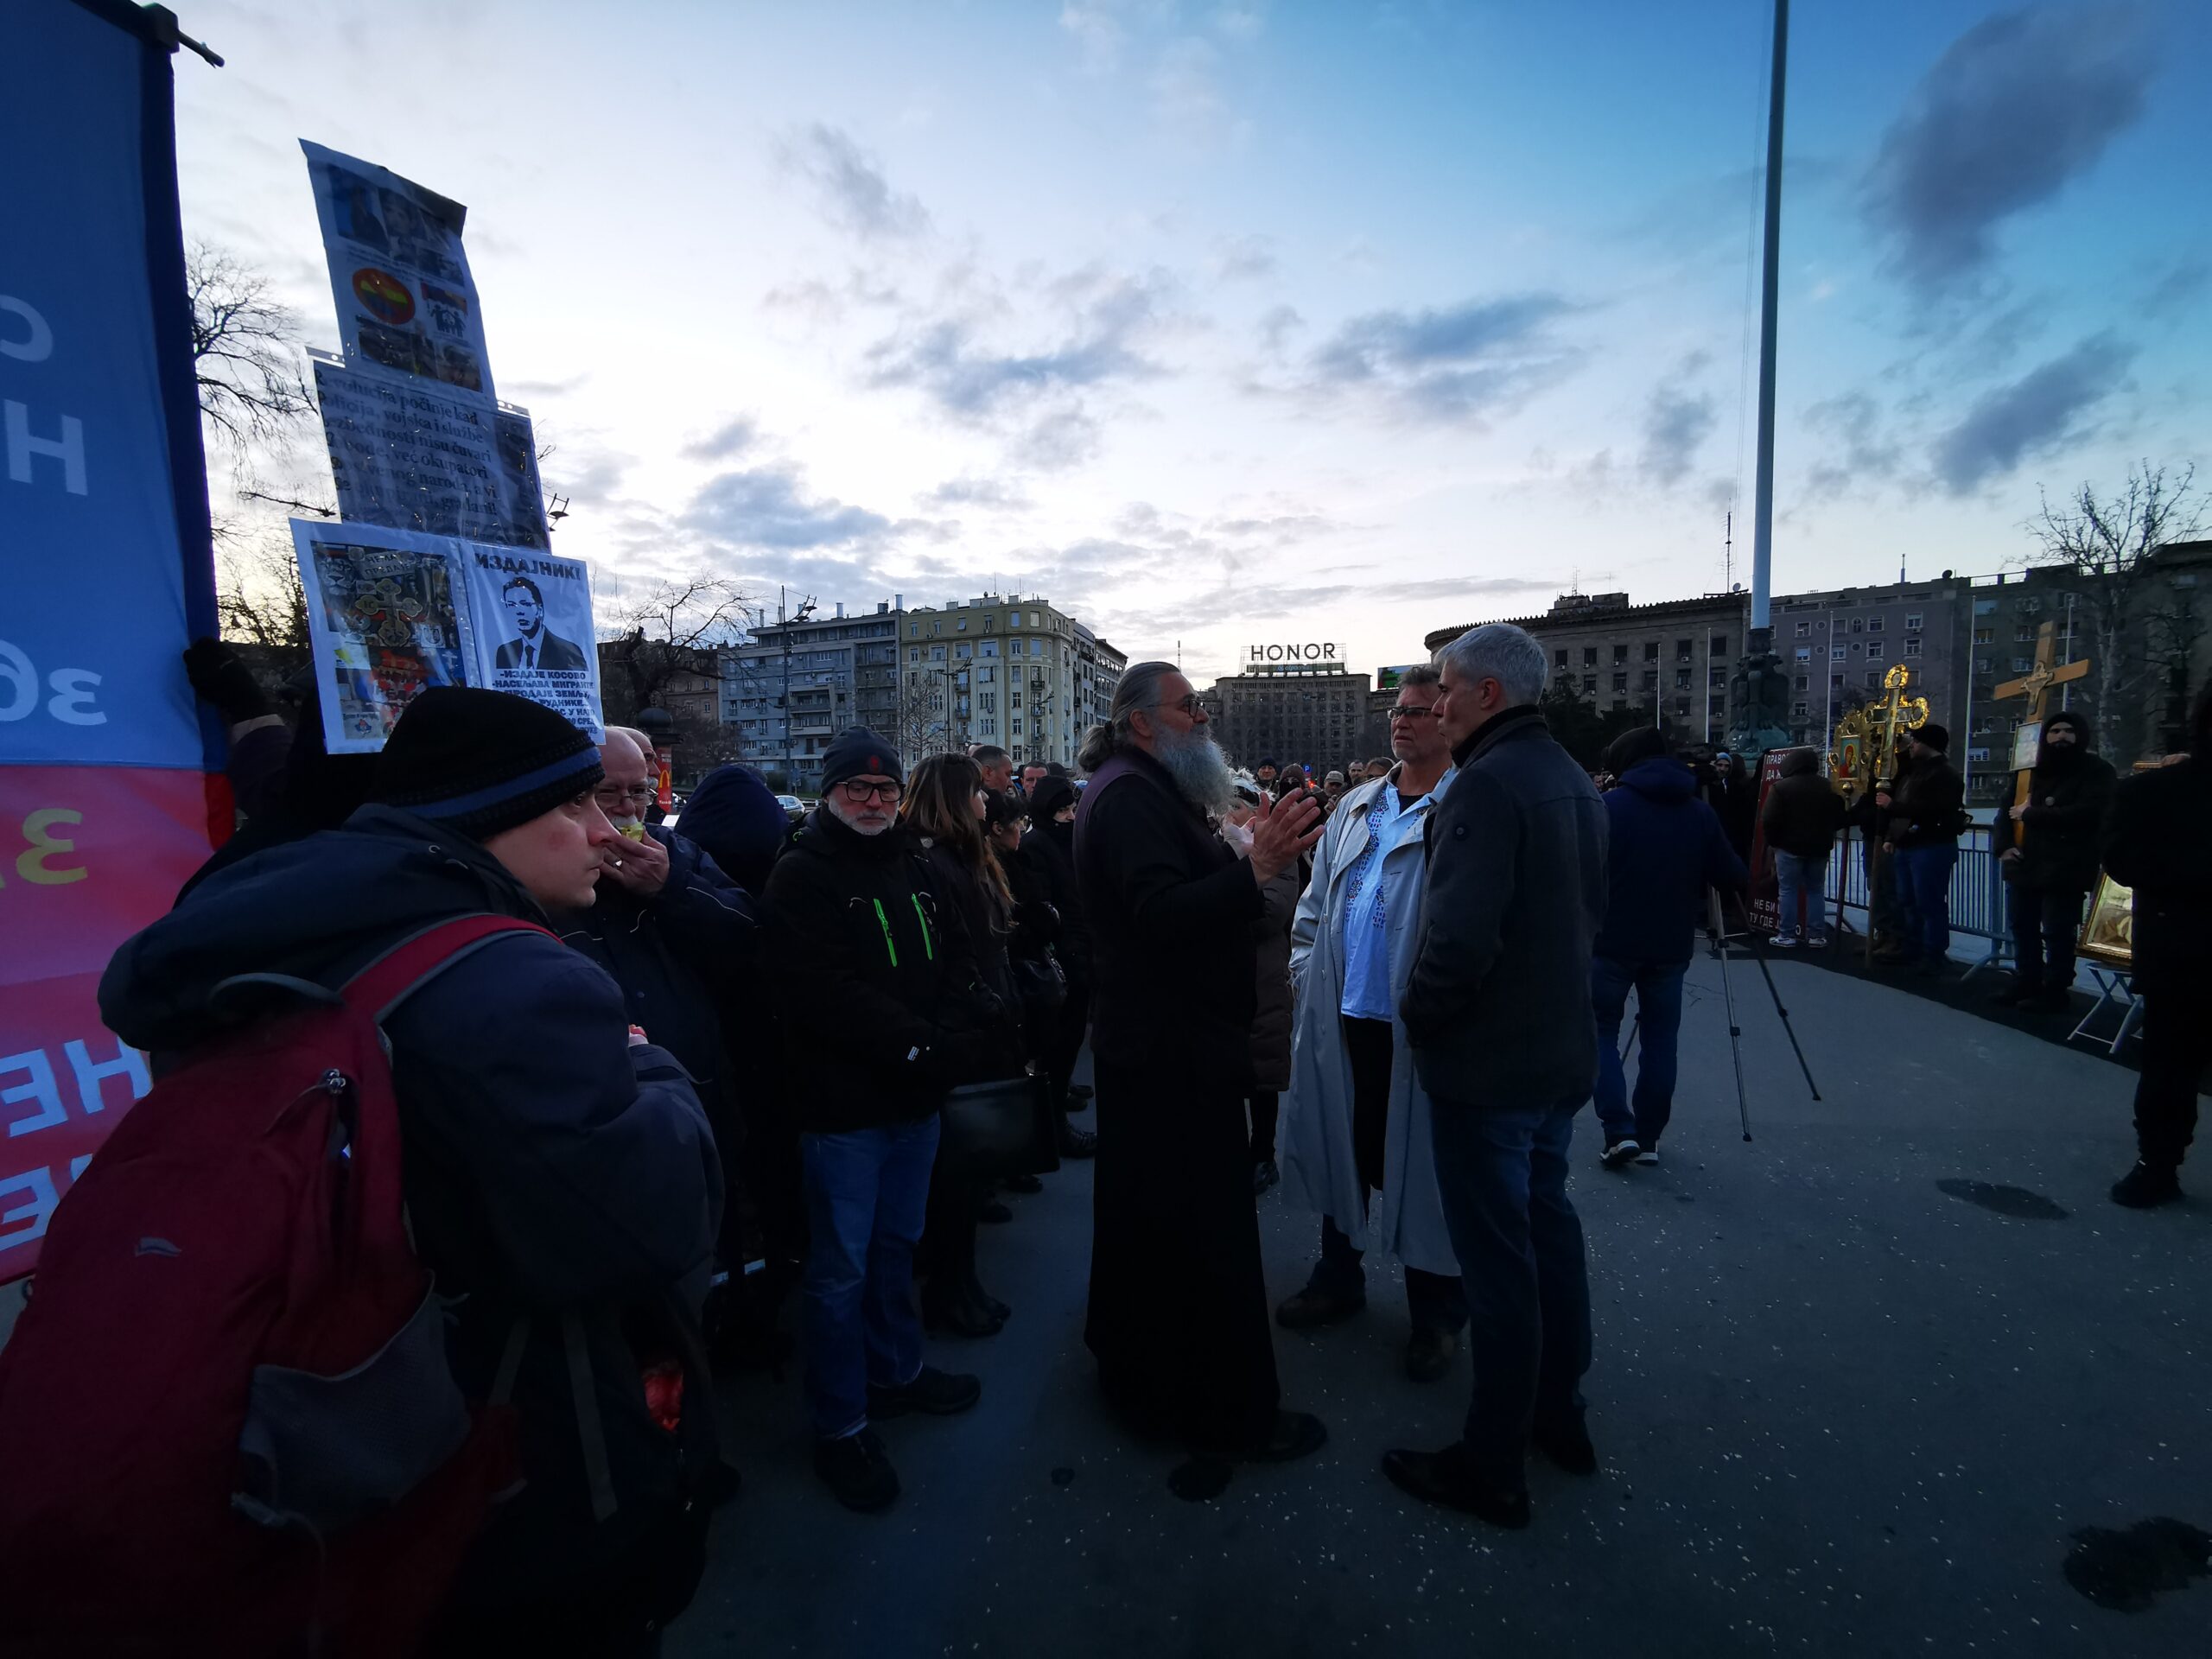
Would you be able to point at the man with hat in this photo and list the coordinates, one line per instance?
(2048, 850)
(1921, 823)
(870, 973)
(561, 1180)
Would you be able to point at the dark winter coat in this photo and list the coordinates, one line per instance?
(1498, 1005)
(875, 977)
(1801, 813)
(1171, 911)
(1049, 849)
(1735, 802)
(734, 817)
(553, 1171)
(2154, 843)
(1927, 805)
(1663, 848)
(2067, 793)
(1272, 988)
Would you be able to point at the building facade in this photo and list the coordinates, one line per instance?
(1019, 673)
(796, 683)
(1314, 713)
(1837, 646)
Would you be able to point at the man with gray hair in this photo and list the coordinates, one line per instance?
(1498, 1015)
(1178, 1315)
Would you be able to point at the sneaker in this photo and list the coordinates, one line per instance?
(935, 1392)
(2145, 1188)
(1618, 1154)
(1319, 1305)
(1647, 1156)
(1428, 1352)
(1265, 1174)
(1785, 942)
(1818, 941)
(855, 1468)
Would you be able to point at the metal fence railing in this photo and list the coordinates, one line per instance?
(1977, 889)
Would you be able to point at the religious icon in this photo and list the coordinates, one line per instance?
(2108, 932)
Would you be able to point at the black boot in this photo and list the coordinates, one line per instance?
(948, 1307)
(1077, 1143)
(2145, 1187)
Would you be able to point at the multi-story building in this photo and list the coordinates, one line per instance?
(1677, 654)
(1837, 646)
(1019, 673)
(796, 683)
(1097, 670)
(1312, 712)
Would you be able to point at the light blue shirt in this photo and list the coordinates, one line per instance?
(1377, 890)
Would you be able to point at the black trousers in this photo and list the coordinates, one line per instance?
(1266, 1108)
(1063, 1042)
(2177, 1047)
(2045, 923)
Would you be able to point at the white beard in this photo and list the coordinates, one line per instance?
(1200, 770)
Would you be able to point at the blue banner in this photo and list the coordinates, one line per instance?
(103, 508)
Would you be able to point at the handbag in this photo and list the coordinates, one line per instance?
(1005, 1127)
(1041, 983)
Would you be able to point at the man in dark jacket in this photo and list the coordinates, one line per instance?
(1496, 1011)
(561, 1180)
(2154, 843)
(1178, 1310)
(1050, 848)
(2048, 847)
(869, 969)
(1800, 818)
(1921, 822)
(1663, 848)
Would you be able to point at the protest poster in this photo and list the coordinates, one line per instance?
(107, 804)
(392, 613)
(407, 308)
(415, 457)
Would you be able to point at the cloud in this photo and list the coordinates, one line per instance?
(1676, 422)
(1468, 360)
(591, 478)
(2031, 415)
(855, 193)
(2020, 105)
(2180, 289)
(762, 507)
(981, 492)
(1277, 327)
(726, 442)
(1243, 259)
(1096, 30)
(535, 390)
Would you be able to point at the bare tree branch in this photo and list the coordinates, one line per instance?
(245, 352)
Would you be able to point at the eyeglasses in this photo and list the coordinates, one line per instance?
(616, 794)
(1411, 711)
(1189, 706)
(859, 792)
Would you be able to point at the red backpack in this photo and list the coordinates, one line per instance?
(226, 1420)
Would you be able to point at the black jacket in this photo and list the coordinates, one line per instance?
(1171, 912)
(2154, 843)
(1497, 1008)
(874, 975)
(1049, 851)
(1927, 805)
(552, 1169)
(1801, 815)
(2057, 833)
(1663, 848)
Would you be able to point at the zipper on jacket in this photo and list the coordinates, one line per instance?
(929, 948)
(884, 922)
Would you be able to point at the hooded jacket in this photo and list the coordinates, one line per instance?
(1050, 848)
(1801, 813)
(555, 1175)
(1926, 804)
(1664, 847)
(2067, 792)
(735, 819)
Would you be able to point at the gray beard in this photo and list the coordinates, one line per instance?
(1200, 770)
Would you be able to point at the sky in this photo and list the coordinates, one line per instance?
(1235, 323)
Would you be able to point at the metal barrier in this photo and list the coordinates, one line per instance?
(1977, 898)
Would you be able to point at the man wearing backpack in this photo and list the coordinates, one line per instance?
(561, 1181)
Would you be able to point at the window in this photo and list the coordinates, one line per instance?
(1801, 681)
(988, 702)
(1835, 682)
(1836, 653)
(961, 626)
(1589, 682)
(1016, 729)
(1716, 675)
(2024, 664)
(1912, 647)
(1589, 656)
(1681, 679)
(1858, 625)
(990, 647)
(963, 651)
(1874, 625)
(1912, 621)
(937, 653)
(1682, 708)
(1874, 682)
(1651, 650)
(1620, 653)
(1014, 700)
(1620, 682)
(1721, 644)
(1804, 630)
(2024, 635)
(1681, 651)
(1801, 711)
(1873, 651)
(1559, 660)
(1651, 679)
(913, 653)
(986, 675)
(1984, 636)
(1804, 653)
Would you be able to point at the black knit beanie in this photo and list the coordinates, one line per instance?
(480, 761)
(860, 752)
(1936, 737)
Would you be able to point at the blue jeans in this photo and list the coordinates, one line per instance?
(1924, 893)
(1796, 873)
(866, 1192)
(1503, 1174)
(1658, 988)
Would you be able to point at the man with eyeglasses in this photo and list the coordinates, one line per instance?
(872, 974)
(1355, 1132)
(1179, 1314)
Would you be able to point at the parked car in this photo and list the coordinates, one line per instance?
(794, 808)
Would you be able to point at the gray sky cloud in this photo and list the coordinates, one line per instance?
(1462, 361)
(727, 442)
(1676, 422)
(2034, 413)
(854, 191)
(763, 507)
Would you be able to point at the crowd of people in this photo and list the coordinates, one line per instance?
(713, 1068)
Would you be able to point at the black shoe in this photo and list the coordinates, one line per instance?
(1078, 1091)
(1619, 1154)
(1022, 1183)
(1428, 1354)
(1448, 1478)
(958, 1314)
(1077, 1143)
(857, 1470)
(1265, 1174)
(1296, 1434)
(1566, 1441)
(1317, 1305)
(2020, 993)
(2145, 1188)
(993, 1210)
(978, 1297)
(938, 1393)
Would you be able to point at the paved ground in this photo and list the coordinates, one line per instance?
(1842, 1411)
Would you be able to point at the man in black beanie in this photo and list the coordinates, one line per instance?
(561, 1181)
(870, 972)
(1921, 824)
(2048, 849)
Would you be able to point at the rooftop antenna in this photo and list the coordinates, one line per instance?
(1728, 551)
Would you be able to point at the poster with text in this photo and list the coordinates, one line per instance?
(534, 635)
(407, 308)
(415, 457)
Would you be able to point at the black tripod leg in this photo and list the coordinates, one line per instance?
(1728, 999)
(1772, 990)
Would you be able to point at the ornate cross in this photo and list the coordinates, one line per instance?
(2035, 686)
(1865, 755)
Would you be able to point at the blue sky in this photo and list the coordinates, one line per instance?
(1219, 324)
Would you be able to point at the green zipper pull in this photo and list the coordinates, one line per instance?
(928, 948)
(884, 922)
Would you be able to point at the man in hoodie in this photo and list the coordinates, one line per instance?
(1800, 818)
(2049, 852)
(1665, 848)
(869, 972)
(1049, 848)
(1921, 820)
(560, 1180)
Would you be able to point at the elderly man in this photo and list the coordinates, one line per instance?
(996, 765)
(1496, 1011)
(1179, 1315)
(1355, 1134)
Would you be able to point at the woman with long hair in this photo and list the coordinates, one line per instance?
(945, 810)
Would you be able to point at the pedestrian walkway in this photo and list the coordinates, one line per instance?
(1858, 1384)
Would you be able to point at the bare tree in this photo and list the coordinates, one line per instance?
(259, 601)
(245, 352)
(679, 627)
(2112, 544)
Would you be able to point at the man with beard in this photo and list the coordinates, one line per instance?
(2049, 847)
(1178, 1317)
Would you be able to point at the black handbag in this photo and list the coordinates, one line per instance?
(1005, 1127)
(1041, 983)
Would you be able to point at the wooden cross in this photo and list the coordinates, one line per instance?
(2035, 686)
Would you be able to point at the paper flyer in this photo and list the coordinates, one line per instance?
(416, 457)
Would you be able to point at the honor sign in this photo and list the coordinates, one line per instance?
(1319, 655)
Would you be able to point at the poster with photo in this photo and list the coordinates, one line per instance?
(407, 308)
(415, 457)
(392, 613)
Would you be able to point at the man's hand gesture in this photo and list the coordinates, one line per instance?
(639, 867)
(1283, 829)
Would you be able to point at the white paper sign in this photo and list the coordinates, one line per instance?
(415, 457)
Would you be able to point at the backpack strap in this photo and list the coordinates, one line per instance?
(407, 966)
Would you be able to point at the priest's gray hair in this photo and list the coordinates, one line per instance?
(1500, 651)
(1136, 691)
